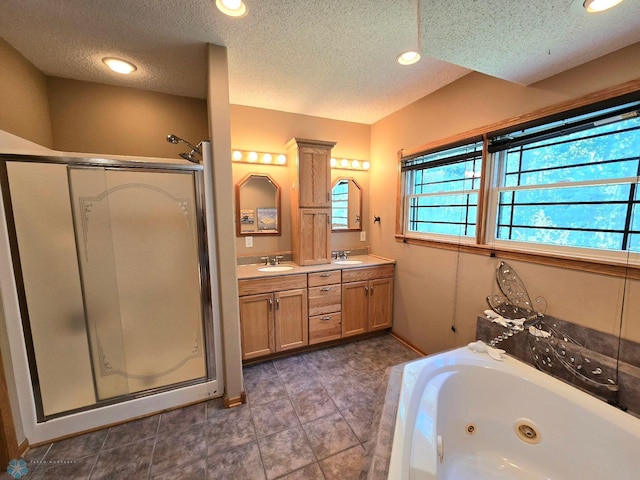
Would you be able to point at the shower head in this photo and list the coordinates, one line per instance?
(171, 138)
(190, 157)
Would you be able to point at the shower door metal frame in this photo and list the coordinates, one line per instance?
(212, 367)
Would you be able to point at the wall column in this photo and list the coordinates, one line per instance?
(222, 180)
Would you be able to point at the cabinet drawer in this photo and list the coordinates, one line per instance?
(324, 278)
(325, 299)
(361, 274)
(323, 328)
(271, 284)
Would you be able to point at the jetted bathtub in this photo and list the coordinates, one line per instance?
(464, 416)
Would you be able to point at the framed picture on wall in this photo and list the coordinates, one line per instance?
(247, 216)
(267, 218)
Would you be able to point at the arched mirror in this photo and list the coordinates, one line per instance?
(346, 205)
(257, 205)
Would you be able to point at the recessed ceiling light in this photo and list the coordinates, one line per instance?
(233, 8)
(118, 65)
(408, 58)
(594, 6)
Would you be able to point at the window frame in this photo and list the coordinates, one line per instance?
(409, 171)
(621, 263)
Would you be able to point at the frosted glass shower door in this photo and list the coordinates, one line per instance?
(137, 242)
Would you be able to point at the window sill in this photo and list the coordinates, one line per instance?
(611, 268)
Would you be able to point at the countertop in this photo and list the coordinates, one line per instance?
(252, 271)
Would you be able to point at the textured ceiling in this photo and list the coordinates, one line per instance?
(326, 58)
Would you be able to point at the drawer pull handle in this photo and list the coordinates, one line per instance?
(270, 305)
(277, 304)
(366, 290)
(325, 289)
(324, 319)
(325, 275)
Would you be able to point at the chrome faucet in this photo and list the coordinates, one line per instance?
(344, 254)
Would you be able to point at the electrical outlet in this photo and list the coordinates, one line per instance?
(363, 236)
(248, 242)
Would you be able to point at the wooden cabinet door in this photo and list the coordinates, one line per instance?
(292, 324)
(354, 308)
(380, 303)
(256, 324)
(313, 236)
(314, 172)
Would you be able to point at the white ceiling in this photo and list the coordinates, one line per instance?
(327, 58)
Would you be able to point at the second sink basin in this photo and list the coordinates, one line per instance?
(348, 262)
(278, 268)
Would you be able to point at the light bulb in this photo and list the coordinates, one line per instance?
(236, 155)
(408, 58)
(267, 158)
(282, 159)
(118, 65)
(365, 165)
(355, 164)
(233, 8)
(344, 163)
(253, 157)
(594, 6)
(333, 162)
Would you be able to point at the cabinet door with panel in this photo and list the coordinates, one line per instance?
(380, 303)
(354, 308)
(291, 322)
(257, 322)
(314, 228)
(367, 299)
(315, 177)
(273, 314)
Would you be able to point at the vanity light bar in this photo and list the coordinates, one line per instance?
(260, 158)
(350, 164)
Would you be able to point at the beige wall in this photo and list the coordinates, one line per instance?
(437, 288)
(269, 131)
(95, 118)
(23, 96)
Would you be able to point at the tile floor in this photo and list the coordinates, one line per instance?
(307, 417)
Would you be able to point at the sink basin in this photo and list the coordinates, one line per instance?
(348, 262)
(277, 268)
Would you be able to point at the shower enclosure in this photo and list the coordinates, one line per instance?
(112, 275)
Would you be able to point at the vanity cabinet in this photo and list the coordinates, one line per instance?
(310, 165)
(273, 315)
(287, 312)
(367, 299)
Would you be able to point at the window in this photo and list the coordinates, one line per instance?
(567, 185)
(572, 183)
(340, 204)
(442, 191)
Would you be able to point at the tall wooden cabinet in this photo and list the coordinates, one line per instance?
(310, 163)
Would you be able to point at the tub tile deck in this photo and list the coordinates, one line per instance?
(308, 417)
